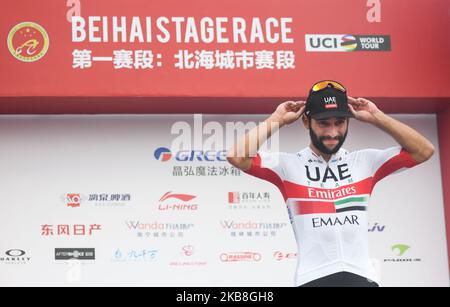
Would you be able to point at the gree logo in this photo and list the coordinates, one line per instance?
(400, 249)
(162, 154)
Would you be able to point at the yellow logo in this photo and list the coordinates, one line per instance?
(28, 41)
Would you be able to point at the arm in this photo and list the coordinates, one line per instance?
(242, 152)
(412, 141)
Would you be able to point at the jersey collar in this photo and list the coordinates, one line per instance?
(334, 157)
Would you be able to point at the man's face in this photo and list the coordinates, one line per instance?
(328, 135)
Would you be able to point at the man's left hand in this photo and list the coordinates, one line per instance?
(363, 109)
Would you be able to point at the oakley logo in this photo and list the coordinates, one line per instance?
(15, 253)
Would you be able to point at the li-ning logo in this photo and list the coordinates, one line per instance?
(182, 197)
(165, 204)
(28, 42)
(330, 102)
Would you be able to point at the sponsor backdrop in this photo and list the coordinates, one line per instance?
(106, 200)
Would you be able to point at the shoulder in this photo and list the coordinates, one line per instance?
(276, 156)
(374, 152)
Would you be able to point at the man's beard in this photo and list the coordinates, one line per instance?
(318, 142)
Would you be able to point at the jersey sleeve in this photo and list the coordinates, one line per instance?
(269, 167)
(388, 161)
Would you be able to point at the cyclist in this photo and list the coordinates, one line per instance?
(327, 188)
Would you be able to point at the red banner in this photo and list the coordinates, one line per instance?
(199, 48)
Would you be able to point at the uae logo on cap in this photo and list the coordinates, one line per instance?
(330, 102)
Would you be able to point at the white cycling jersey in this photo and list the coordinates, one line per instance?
(327, 204)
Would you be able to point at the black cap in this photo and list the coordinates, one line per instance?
(328, 102)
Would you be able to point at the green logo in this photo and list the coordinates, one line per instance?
(400, 249)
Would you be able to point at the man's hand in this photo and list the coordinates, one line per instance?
(242, 152)
(363, 109)
(288, 112)
(412, 141)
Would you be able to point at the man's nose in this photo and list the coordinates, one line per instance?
(332, 132)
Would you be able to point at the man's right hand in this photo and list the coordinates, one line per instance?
(241, 154)
(288, 112)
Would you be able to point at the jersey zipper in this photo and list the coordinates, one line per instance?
(337, 230)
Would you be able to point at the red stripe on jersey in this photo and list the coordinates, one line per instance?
(294, 190)
(266, 174)
(311, 207)
(403, 159)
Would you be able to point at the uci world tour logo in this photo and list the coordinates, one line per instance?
(349, 42)
(346, 43)
(28, 41)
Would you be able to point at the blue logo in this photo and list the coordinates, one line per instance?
(142, 255)
(376, 228)
(164, 154)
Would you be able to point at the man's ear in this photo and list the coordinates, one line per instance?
(305, 121)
